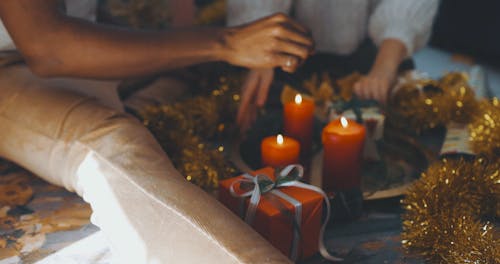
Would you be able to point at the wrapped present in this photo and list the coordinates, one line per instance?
(283, 210)
(457, 140)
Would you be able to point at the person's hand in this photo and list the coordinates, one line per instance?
(274, 41)
(253, 96)
(375, 85)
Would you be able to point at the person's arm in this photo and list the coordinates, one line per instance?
(54, 44)
(399, 28)
(376, 84)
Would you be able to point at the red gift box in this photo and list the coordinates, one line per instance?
(288, 217)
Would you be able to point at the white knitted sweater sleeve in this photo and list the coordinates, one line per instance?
(407, 20)
(244, 11)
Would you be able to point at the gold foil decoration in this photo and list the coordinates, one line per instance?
(423, 104)
(485, 128)
(323, 89)
(346, 85)
(142, 13)
(212, 13)
(186, 129)
(445, 209)
(157, 14)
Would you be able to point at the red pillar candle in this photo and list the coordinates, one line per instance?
(279, 151)
(343, 141)
(298, 121)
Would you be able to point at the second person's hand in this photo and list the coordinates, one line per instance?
(378, 82)
(375, 86)
(253, 96)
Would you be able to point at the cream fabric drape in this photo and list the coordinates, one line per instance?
(148, 212)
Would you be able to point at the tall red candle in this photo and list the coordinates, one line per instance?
(279, 151)
(298, 121)
(343, 141)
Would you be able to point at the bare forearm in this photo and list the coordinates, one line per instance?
(390, 55)
(82, 49)
(57, 45)
(377, 83)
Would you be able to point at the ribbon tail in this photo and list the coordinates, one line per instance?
(294, 252)
(321, 245)
(253, 203)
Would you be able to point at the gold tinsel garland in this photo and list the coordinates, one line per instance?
(141, 13)
(157, 13)
(213, 13)
(448, 208)
(485, 128)
(444, 210)
(184, 129)
(422, 104)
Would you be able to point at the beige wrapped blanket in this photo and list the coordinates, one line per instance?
(147, 211)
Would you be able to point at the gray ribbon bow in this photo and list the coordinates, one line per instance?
(289, 176)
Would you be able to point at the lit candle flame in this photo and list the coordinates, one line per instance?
(298, 99)
(344, 122)
(279, 139)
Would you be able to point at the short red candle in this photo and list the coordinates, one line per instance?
(343, 141)
(298, 121)
(279, 151)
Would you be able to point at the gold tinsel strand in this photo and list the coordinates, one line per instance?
(184, 128)
(444, 209)
(157, 13)
(212, 13)
(485, 128)
(142, 13)
(423, 104)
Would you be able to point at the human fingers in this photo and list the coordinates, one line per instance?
(244, 124)
(264, 86)
(286, 20)
(291, 48)
(375, 90)
(357, 88)
(361, 88)
(282, 26)
(285, 33)
(379, 87)
(382, 92)
(286, 62)
(248, 94)
(248, 119)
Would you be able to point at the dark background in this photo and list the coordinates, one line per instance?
(470, 27)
